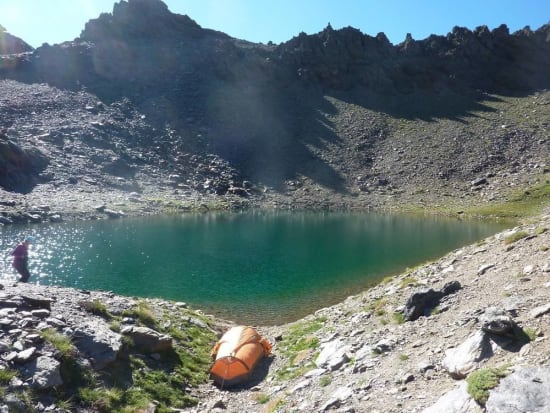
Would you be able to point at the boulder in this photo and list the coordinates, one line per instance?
(98, 342)
(333, 355)
(421, 302)
(25, 355)
(45, 373)
(525, 390)
(455, 401)
(496, 321)
(147, 339)
(464, 359)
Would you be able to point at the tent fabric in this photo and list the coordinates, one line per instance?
(236, 354)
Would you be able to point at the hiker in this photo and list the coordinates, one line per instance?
(21, 258)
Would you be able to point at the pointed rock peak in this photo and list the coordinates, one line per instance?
(155, 8)
(382, 38)
(10, 44)
(137, 18)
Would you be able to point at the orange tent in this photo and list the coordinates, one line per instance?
(236, 355)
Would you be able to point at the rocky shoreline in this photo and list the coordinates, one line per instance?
(368, 359)
(359, 355)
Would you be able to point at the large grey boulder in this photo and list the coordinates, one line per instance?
(455, 401)
(44, 371)
(98, 342)
(464, 359)
(525, 390)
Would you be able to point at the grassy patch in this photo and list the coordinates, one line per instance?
(262, 398)
(516, 236)
(6, 375)
(60, 342)
(164, 381)
(520, 204)
(300, 337)
(133, 381)
(325, 381)
(481, 381)
(142, 311)
(96, 307)
(435, 311)
(408, 282)
(398, 318)
(378, 306)
(525, 335)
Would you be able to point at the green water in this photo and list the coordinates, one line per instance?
(252, 268)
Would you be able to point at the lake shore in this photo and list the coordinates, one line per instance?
(378, 363)
(385, 365)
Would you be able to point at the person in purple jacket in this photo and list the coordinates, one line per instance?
(21, 258)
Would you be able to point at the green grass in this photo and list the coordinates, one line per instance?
(377, 306)
(324, 381)
(142, 311)
(60, 342)
(262, 398)
(515, 237)
(525, 335)
(481, 381)
(520, 204)
(6, 375)
(96, 307)
(300, 337)
(408, 281)
(164, 381)
(435, 311)
(398, 318)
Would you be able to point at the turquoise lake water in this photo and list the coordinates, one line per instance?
(252, 268)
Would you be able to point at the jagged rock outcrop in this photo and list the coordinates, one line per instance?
(19, 168)
(10, 44)
(422, 302)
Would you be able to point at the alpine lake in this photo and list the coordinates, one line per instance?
(255, 268)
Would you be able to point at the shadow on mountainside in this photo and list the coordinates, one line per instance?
(421, 105)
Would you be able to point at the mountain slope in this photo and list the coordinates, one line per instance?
(336, 114)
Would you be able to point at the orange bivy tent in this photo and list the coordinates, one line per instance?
(236, 355)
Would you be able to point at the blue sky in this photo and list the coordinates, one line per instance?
(55, 21)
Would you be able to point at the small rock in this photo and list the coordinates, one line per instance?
(483, 269)
(540, 311)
